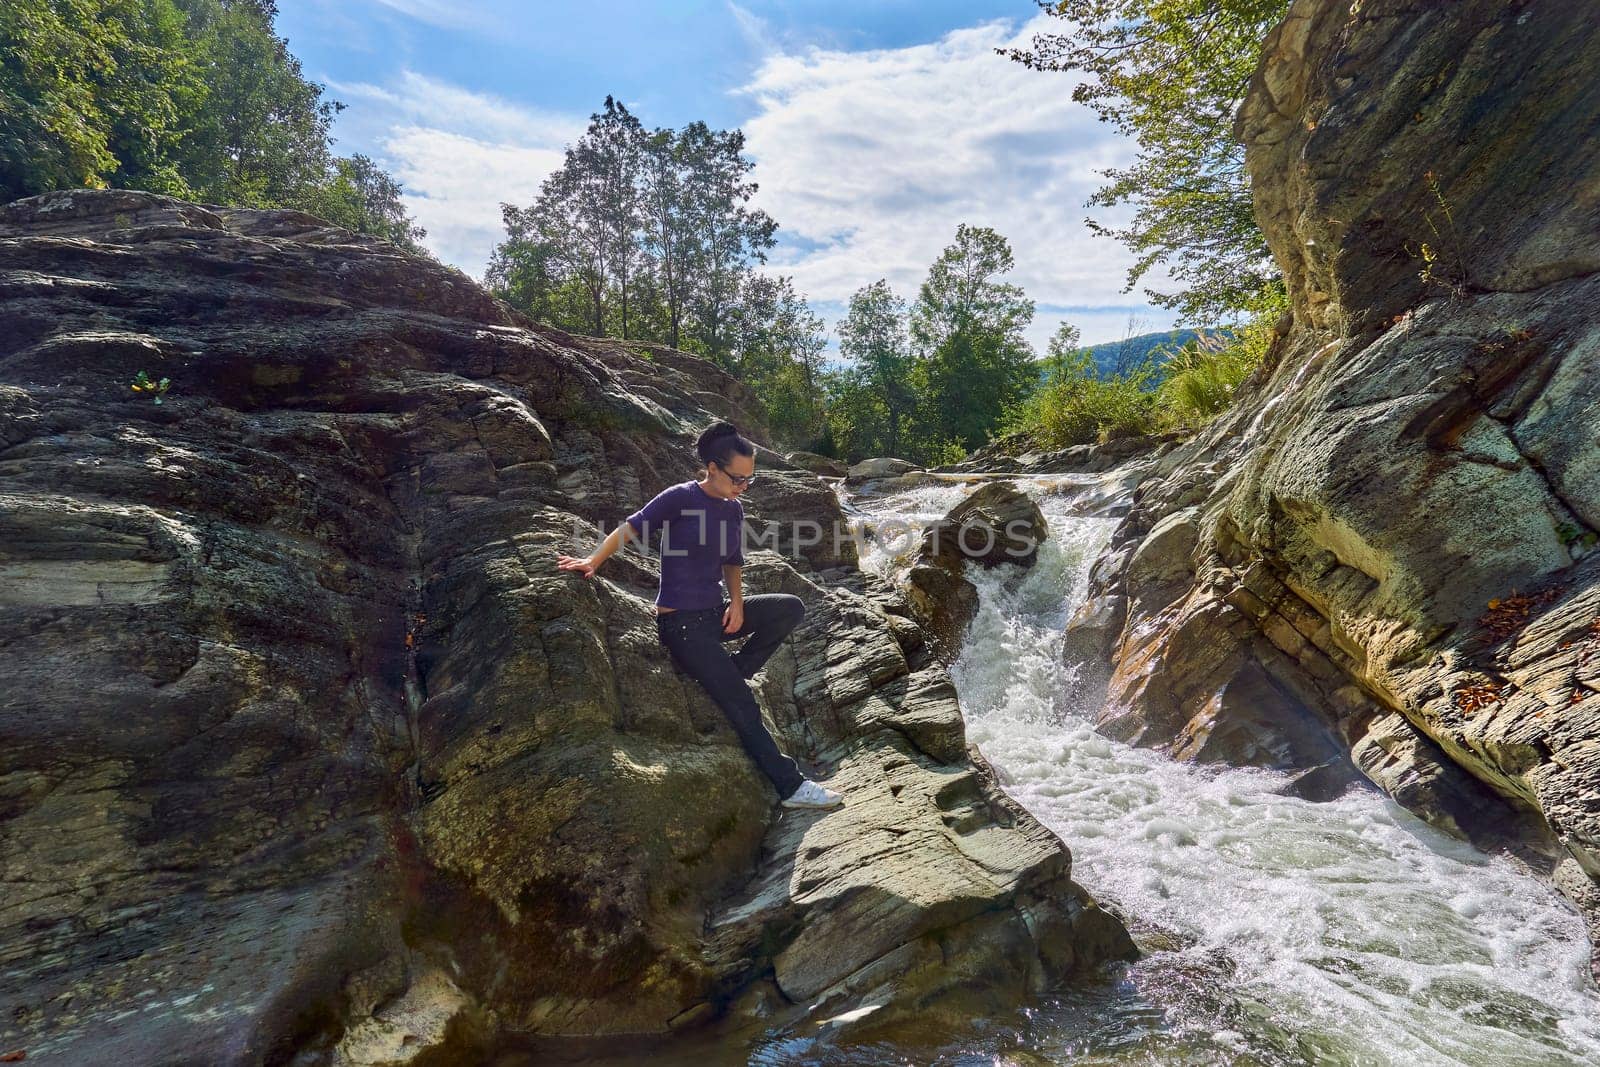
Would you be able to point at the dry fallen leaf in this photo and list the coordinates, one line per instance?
(1476, 697)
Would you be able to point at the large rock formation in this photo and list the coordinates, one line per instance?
(310, 751)
(1385, 551)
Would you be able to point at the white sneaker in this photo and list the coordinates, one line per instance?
(812, 795)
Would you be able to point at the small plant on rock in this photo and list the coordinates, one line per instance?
(1576, 537)
(1442, 262)
(142, 384)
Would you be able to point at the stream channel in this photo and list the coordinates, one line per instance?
(1277, 931)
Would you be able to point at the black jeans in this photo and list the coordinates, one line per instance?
(694, 638)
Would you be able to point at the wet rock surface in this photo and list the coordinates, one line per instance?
(995, 525)
(869, 470)
(823, 465)
(1389, 540)
(311, 751)
(1021, 454)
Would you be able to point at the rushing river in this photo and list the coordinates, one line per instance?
(1346, 932)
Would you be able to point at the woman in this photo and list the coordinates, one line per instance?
(701, 525)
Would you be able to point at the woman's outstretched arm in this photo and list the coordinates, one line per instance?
(586, 565)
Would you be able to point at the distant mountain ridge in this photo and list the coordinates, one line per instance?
(1120, 357)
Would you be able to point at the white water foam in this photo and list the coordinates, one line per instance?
(1346, 932)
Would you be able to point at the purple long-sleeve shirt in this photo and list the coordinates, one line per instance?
(700, 534)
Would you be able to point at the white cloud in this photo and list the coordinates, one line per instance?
(416, 98)
(867, 159)
(455, 184)
(458, 154)
(872, 158)
(752, 27)
(446, 13)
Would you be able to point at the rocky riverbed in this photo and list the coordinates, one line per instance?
(310, 751)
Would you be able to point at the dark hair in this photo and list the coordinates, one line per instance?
(720, 441)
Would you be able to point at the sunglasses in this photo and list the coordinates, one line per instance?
(740, 480)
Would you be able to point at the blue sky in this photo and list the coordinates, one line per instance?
(876, 126)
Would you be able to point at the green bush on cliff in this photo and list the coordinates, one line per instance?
(1079, 403)
(1200, 379)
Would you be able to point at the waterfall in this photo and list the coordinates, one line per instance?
(1281, 931)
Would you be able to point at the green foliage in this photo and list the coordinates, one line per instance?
(723, 237)
(193, 98)
(653, 228)
(777, 344)
(1170, 73)
(1080, 403)
(942, 450)
(1199, 380)
(871, 404)
(364, 198)
(650, 235)
(1574, 536)
(527, 272)
(932, 383)
(142, 384)
(92, 93)
(967, 330)
(1077, 405)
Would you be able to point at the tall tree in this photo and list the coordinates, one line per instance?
(778, 351)
(263, 137)
(724, 233)
(668, 230)
(877, 389)
(532, 274)
(967, 331)
(663, 214)
(93, 93)
(613, 149)
(1063, 347)
(569, 218)
(1171, 73)
(361, 196)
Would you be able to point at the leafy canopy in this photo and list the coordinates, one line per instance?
(199, 99)
(1171, 74)
(967, 330)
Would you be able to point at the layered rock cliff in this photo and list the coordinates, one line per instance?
(311, 752)
(1383, 557)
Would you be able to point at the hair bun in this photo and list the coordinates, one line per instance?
(720, 441)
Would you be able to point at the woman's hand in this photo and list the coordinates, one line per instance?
(733, 618)
(584, 566)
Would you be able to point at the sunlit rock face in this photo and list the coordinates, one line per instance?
(309, 749)
(1384, 552)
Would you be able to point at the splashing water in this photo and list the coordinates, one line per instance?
(1346, 932)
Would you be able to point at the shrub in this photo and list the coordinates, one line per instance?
(1199, 380)
(1076, 405)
